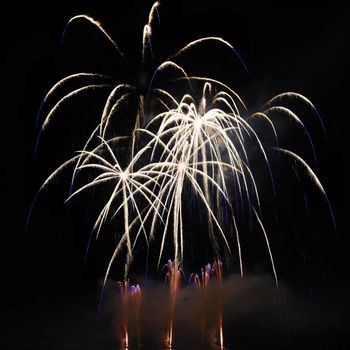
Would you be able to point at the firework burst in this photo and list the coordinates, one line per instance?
(194, 148)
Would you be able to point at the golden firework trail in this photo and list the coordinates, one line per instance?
(196, 144)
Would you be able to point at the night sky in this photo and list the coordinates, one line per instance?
(50, 292)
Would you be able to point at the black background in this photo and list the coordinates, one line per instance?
(286, 46)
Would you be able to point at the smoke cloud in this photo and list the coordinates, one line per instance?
(254, 313)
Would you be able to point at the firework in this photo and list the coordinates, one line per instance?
(195, 147)
(131, 303)
(173, 278)
(202, 282)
